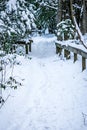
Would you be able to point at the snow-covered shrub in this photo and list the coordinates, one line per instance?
(7, 79)
(16, 22)
(20, 16)
(65, 30)
(7, 37)
(20, 50)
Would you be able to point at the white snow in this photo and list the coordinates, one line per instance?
(11, 4)
(72, 43)
(53, 95)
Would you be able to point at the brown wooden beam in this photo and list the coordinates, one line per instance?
(66, 54)
(83, 63)
(26, 48)
(75, 57)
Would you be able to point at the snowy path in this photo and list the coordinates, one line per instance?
(54, 94)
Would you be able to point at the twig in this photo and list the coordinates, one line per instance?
(4, 101)
(84, 118)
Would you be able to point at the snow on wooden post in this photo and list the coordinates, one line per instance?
(26, 48)
(75, 57)
(66, 54)
(69, 48)
(30, 47)
(58, 48)
(30, 42)
(83, 63)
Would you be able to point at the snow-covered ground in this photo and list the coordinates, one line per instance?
(53, 95)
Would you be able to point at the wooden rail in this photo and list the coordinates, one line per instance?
(76, 51)
(27, 45)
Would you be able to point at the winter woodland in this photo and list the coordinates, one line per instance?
(43, 52)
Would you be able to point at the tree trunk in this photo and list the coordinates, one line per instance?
(71, 11)
(59, 11)
(77, 27)
(84, 19)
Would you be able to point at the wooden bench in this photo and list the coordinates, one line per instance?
(67, 49)
(24, 43)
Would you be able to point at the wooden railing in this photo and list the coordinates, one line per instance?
(27, 45)
(67, 49)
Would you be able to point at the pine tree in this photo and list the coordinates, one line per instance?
(18, 21)
(46, 12)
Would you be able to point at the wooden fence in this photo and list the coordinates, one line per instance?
(27, 45)
(67, 49)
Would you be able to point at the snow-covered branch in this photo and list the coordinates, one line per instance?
(76, 26)
(76, 6)
(46, 5)
(79, 33)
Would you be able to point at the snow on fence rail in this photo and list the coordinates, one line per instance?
(72, 47)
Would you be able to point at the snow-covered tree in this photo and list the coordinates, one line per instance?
(17, 21)
(79, 10)
(46, 12)
(65, 30)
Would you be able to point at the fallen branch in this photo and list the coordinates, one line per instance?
(4, 101)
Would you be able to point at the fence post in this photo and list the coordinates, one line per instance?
(66, 54)
(26, 48)
(58, 50)
(75, 57)
(29, 46)
(83, 63)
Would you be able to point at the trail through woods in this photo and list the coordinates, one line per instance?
(53, 95)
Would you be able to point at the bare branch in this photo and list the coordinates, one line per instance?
(77, 27)
(46, 5)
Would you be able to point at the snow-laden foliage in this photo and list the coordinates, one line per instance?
(7, 79)
(46, 12)
(20, 15)
(65, 30)
(16, 21)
